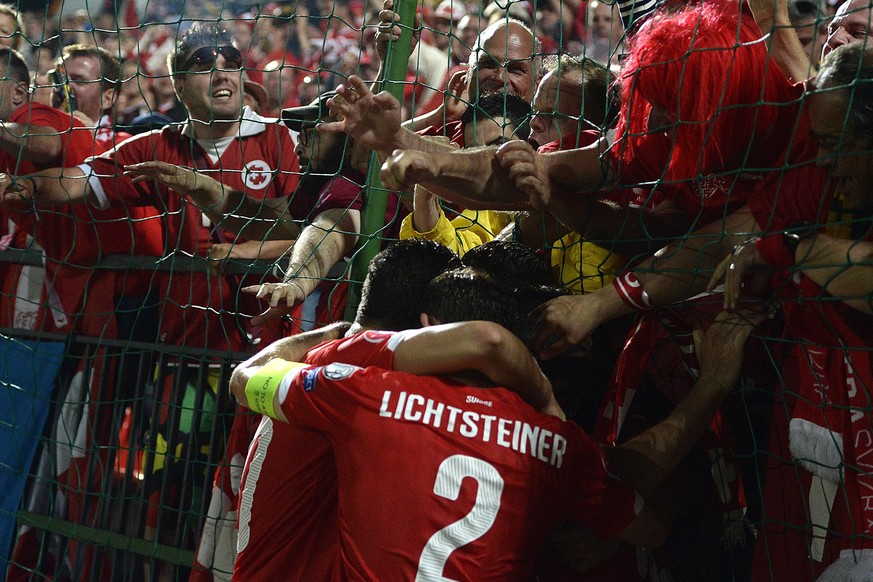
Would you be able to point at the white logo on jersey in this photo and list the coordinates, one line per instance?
(339, 371)
(258, 174)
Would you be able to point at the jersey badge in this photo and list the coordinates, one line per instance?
(377, 337)
(339, 371)
(258, 174)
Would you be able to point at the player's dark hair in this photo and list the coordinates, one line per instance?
(510, 262)
(523, 272)
(469, 294)
(392, 297)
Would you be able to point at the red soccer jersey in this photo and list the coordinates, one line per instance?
(199, 308)
(297, 539)
(443, 480)
(74, 237)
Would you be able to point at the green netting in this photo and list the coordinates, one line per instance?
(123, 316)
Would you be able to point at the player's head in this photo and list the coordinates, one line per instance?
(495, 119)
(393, 293)
(466, 295)
(701, 77)
(524, 273)
(207, 73)
(511, 262)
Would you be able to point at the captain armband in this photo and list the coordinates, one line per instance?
(261, 388)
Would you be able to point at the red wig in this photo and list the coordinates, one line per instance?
(707, 67)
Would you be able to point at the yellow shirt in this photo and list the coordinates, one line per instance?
(581, 266)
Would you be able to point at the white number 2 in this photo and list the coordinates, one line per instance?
(472, 526)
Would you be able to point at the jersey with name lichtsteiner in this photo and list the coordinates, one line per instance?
(438, 480)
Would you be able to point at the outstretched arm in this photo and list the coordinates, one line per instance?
(842, 267)
(232, 210)
(645, 461)
(34, 143)
(677, 272)
(322, 244)
(785, 48)
(373, 120)
(291, 349)
(511, 177)
(51, 187)
(482, 346)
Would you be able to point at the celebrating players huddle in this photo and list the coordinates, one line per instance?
(387, 475)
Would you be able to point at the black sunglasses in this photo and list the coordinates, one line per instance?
(206, 56)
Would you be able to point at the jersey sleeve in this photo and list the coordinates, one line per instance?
(368, 348)
(320, 398)
(340, 192)
(77, 142)
(106, 177)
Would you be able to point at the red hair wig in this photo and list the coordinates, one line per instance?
(706, 66)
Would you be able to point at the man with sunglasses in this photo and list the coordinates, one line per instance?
(221, 139)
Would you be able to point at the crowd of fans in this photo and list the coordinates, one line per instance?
(623, 191)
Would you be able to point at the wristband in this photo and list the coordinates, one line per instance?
(632, 293)
(262, 387)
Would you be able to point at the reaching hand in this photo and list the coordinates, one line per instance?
(15, 189)
(563, 324)
(182, 180)
(720, 349)
(389, 30)
(733, 269)
(527, 170)
(283, 297)
(457, 96)
(405, 168)
(372, 120)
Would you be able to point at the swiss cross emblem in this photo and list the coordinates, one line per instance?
(258, 174)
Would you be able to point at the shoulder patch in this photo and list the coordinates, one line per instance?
(339, 371)
(377, 337)
(309, 377)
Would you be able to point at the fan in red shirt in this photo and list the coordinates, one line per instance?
(247, 152)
